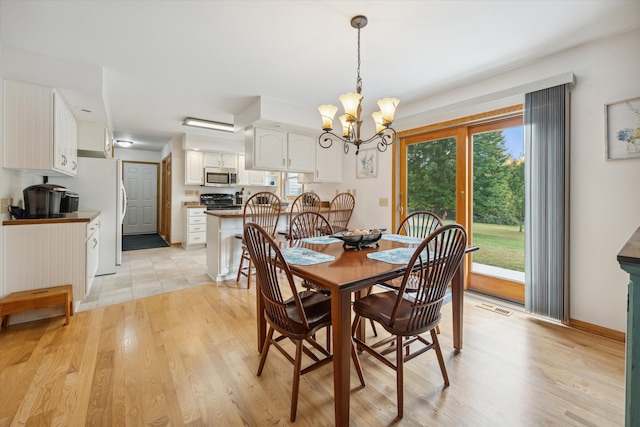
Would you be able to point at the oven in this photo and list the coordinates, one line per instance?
(220, 177)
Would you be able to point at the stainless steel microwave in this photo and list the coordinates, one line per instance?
(220, 177)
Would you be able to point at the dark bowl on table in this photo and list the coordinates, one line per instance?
(358, 241)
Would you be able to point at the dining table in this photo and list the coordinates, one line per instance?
(346, 271)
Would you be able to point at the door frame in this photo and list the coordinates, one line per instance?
(165, 220)
(460, 129)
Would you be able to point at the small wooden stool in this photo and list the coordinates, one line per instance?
(34, 299)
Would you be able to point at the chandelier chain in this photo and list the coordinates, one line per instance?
(359, 80)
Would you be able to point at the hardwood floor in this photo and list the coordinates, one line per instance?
(188, 357)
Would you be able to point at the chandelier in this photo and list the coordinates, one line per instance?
(351, 121)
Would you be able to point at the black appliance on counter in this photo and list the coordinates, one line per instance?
(70, 202)
(219, 201)
(43, 201)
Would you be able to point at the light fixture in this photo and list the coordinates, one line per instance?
(208, 124)
(351, 121)
(124, 143)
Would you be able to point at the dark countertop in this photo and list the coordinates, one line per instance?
(86, 216)
(630, 252)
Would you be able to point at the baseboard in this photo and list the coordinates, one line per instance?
(176, 245)
(598, 330)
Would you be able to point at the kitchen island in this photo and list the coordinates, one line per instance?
(224, 249)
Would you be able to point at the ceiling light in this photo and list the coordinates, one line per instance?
(385, 135)
(124, 143)
(208, 124)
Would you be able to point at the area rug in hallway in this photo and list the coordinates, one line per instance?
(134, 242)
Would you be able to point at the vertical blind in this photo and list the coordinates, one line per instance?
(546, 130)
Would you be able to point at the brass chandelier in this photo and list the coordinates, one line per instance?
(351, 121)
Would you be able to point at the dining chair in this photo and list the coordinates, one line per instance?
(308, 224)
(262, 208)
(406, 315)
(297, 318)
(340, 211)
(305, 202)
(417, 224)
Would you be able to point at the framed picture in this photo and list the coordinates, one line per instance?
(622, 129)
(367, 163)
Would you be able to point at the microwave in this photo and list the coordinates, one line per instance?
(220, 177)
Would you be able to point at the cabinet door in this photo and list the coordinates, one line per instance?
(269, 149)
(27, 126)
(65, 137)
(193, 171)
(329, 164)
(93, 255)
(212, 160)
(229, 161)
(301, 152)
(256, 177)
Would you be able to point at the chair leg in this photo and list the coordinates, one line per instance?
(265, 350)
(356, 362)
(249, 274)
(296, 380)
(241, 264)
(399, 376)
(443, 368)
(437, 329)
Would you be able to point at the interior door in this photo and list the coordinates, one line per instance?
(141, 184)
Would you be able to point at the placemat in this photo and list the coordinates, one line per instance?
(321, 240)
(304, 256)
(402, 239)
(393, 256)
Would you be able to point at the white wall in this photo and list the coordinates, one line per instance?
(605, 200)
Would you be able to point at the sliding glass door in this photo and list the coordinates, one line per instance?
(472, 173)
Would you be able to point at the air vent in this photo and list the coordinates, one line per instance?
(498, 310)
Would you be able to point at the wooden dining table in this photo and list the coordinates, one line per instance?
(351, 272)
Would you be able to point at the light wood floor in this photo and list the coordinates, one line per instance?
(189, 358)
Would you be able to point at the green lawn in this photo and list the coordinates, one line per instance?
(500, 246)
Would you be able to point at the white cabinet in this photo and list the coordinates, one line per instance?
(193, 168)
(328, 166)
(195, 231)
(275, 150)
(220, 160)
(223, 248)
(42, 255)
(40, 132)
(92, 248)
(94, 140)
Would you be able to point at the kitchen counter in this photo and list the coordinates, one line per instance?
(238, 213)
(86, 216)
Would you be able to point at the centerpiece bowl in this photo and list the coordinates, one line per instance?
(358, 239)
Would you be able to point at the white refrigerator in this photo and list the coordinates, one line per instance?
(100, 188)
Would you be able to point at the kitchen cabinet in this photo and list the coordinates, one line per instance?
(94, 140)
(195, 230)
(194, 167)
(92, 249)
(42, 254)
(220, 160)
(40, 131)
(328, 165)
(276, 150)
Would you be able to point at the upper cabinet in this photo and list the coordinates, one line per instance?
(328, 166)
(220, 160)
(276, 150)
(40, 132)
(194, 167)
(94, 140)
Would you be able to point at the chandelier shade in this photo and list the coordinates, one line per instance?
(351, 121)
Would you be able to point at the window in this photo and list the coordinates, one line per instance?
(291, 187)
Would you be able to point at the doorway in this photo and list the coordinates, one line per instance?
(141, 184)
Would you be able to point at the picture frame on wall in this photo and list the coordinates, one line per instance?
(622, 129)
(367, 163)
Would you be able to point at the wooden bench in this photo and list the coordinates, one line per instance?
(34, 299)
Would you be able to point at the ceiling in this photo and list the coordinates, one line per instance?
(144, 66)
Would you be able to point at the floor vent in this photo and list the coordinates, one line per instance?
(498, 310)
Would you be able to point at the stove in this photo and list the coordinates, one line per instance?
(219, 201)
